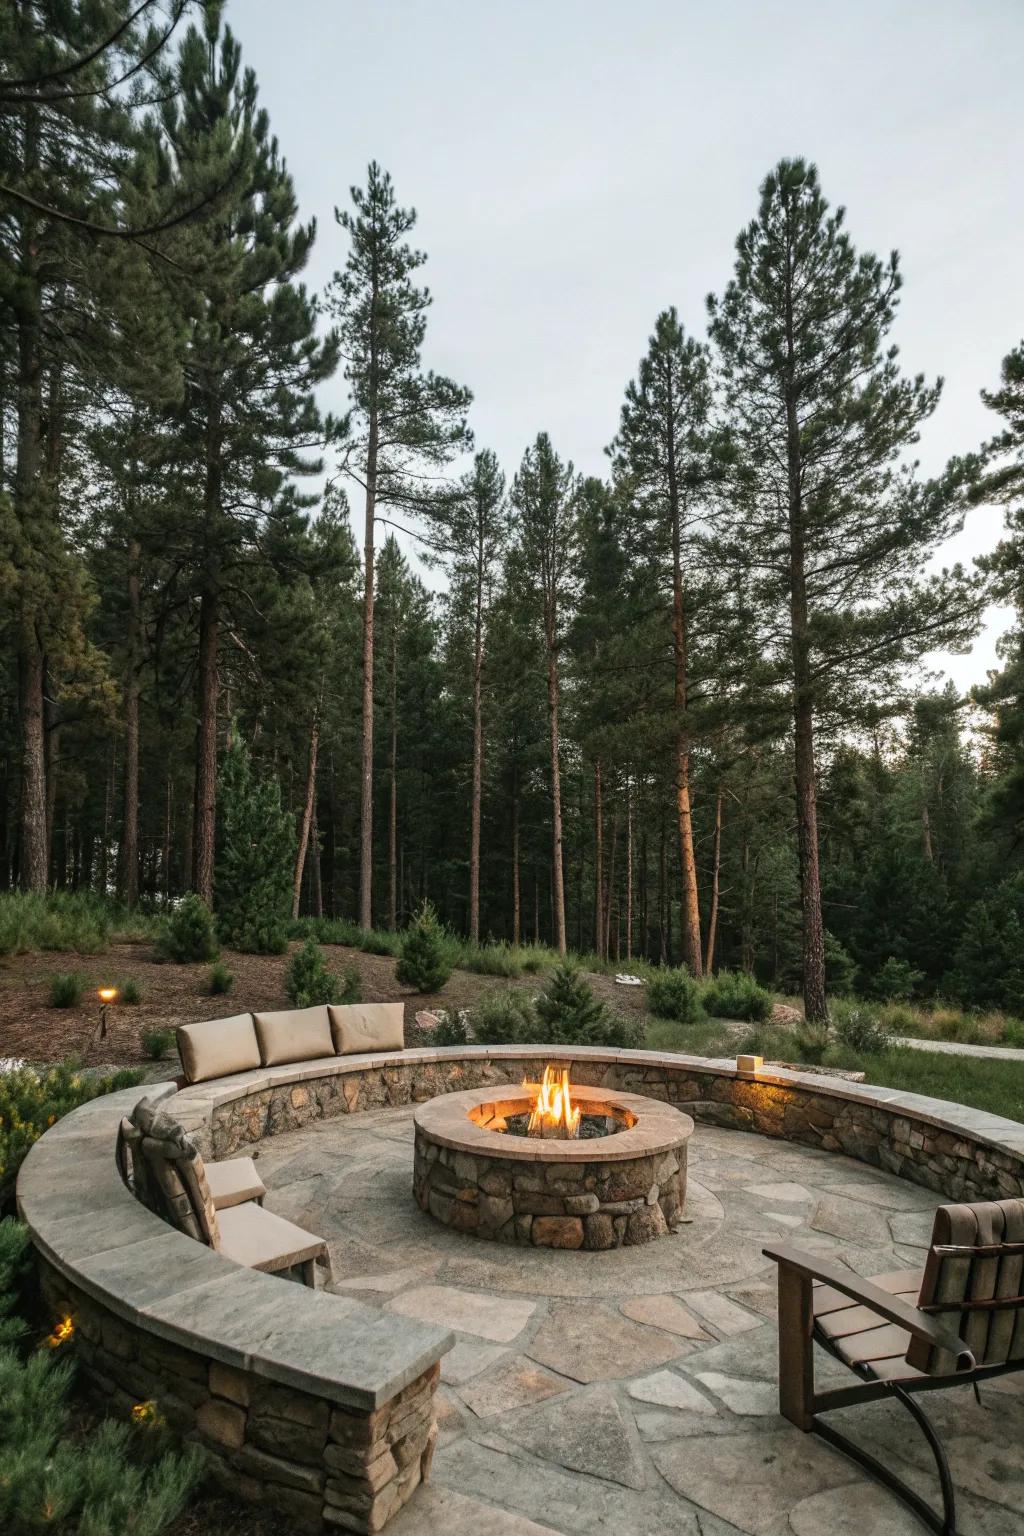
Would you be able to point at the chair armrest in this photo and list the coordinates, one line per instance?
(892, 1308)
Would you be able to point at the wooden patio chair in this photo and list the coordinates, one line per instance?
(960, 1321)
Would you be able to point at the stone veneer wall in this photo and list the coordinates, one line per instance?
(551, 1205)
(938, 1145)
(314, 1461)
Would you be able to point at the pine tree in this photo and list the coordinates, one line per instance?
(1002, 480)
(406, 423)
(664, 448)
(544, 494)
(829, 531)
(255, 856)
(70, 145)
(249, 421)
(471, 530)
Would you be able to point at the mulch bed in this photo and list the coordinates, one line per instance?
(176, 994)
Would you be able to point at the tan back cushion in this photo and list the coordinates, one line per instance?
(958, 1269)
(218, 1047)
(361, 1027)
(293, 1034)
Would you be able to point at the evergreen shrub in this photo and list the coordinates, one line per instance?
(67, 989)
(451, 1028)
(307, 980)
(504, 1016)
(220, 980)
(119, 1480)
(255, 856)
(568, 1013)
(425, 960)
(131, 992)
(736, 995)
(858, 1026)
(188, 935)
(31, 1101)
(840, 966)
(896, 981)
(675, 994)
(157, 1043)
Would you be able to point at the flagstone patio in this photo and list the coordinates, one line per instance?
(634, 1390)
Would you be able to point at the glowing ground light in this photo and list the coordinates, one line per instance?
(107, 994)
(62, 1332)
(146, 1414)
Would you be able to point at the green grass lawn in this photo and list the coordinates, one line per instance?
(997, 1086)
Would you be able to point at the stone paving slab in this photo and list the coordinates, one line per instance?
(499, 1318)
(663, 1359)
(596, 1353)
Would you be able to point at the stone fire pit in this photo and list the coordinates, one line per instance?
(597, 1192)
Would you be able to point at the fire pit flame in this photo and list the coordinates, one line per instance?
(553, 1113)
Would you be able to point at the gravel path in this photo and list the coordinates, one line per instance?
(960, 1048)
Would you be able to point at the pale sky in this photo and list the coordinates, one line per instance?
(578, 165)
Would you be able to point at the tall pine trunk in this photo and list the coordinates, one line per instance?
(815, 1006)
(716, 865)
(478, 755)
(516, 897)
(629, 870)
(208, 680)
(208, 689)
(610, 889)
(557, 873)
(129, 865)
(32, 851)
(598, 859)
(366, 789)
(308, 809)
(690, 903)
(393, 787)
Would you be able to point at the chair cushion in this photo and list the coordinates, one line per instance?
(218, 1047)
(253, 1236)
(859, 1335)
(293, 1034)
(361, 1027)
(233, 1182)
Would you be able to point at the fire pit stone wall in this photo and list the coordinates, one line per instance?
(611, 1192)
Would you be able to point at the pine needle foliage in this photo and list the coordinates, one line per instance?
(425, 961)
(568, 1013)
(123, 1480)
(255, 856)
(308, 981)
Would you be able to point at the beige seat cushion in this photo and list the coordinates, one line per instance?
(360, 1027)
(257, 1238)
(293, 1034)
(233, 1182)
(218, 1047)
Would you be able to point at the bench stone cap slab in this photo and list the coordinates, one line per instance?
(107, 1244)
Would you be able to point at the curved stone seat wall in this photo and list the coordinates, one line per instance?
(319, 1404)
(960, 1153)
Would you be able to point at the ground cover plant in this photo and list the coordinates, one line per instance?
(31, 1101)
